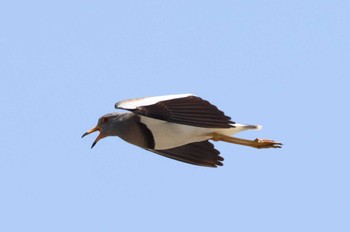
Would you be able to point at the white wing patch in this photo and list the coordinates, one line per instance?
(131, 104)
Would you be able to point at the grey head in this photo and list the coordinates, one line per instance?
(107, 125)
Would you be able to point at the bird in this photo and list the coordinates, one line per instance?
(176, 126)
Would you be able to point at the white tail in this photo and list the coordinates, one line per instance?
(248, 127)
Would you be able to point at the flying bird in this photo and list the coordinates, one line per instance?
(176, 126)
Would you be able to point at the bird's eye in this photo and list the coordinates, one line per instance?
(105, 119)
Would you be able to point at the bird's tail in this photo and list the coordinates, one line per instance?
(247, 127)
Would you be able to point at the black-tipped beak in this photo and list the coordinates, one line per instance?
(85, 134)
(94, 143)
(91, 131)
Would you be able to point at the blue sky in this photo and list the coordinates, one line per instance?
(282, 64)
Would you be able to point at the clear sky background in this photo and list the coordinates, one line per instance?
(282, 64)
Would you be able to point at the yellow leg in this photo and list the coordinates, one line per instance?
(257, 143)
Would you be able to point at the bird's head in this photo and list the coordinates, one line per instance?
(105, 126)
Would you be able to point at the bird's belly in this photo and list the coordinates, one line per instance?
(169, 135)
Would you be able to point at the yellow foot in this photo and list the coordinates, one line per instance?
(266, 143)
(257, 143)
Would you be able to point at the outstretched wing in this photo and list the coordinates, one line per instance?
(199, 153)
(182, 108)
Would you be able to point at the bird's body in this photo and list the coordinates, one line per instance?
(169, 135)
(175, 126)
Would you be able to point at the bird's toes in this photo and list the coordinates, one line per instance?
(267, 143)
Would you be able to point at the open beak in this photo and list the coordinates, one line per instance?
(100, 136)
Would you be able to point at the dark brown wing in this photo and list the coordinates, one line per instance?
(188, 110)
(200, 153)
